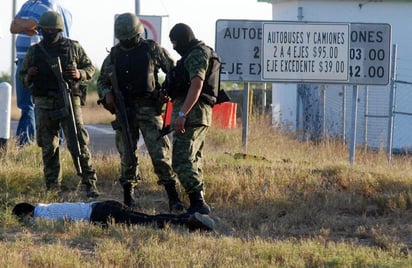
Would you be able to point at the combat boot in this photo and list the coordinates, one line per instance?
(91, 190)
(175, 204)
(198, 204)
(128, 195)
(198, 221)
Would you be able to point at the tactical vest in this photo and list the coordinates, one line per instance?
(135, 71)
(45, 83)
(211, 84)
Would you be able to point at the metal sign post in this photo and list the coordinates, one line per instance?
(245, 115)
(391, 103)
(13, 54)
(354, 124)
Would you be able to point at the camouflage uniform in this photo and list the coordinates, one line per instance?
(136, 64)
(192, 112)
(188, 148)
(144, 114)
(46, 101)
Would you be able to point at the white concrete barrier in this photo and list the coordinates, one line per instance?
(5, 111)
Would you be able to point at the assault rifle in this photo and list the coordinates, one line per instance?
(121, 122)
(66, 111)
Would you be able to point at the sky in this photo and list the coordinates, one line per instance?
(93, 21)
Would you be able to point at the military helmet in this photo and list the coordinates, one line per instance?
(51, 20)
(127, 25)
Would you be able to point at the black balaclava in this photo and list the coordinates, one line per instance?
(51, 38)
(184, 37)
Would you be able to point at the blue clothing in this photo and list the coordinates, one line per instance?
(78, 211)
(32, 9)
(26, 129)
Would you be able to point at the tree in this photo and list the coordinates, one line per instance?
(5, 77)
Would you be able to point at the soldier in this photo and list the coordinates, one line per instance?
(189, 85)
(37, 75)
(136, 62)
(24, 24)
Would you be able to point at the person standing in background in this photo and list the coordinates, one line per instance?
(24, 25)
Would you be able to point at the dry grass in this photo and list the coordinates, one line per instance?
(94, 113)
(277, 203)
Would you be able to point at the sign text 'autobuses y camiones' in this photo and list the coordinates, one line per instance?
(305, 52)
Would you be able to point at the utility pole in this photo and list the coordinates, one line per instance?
(13, 53)
(137, 7)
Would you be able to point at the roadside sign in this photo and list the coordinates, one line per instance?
(305, 52)
(239, 43)
(370, 54)
(152, 27)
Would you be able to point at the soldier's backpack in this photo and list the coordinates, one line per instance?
(178, 85)
(211, 91)
(211, 85)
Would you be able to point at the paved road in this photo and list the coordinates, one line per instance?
(101, 138)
